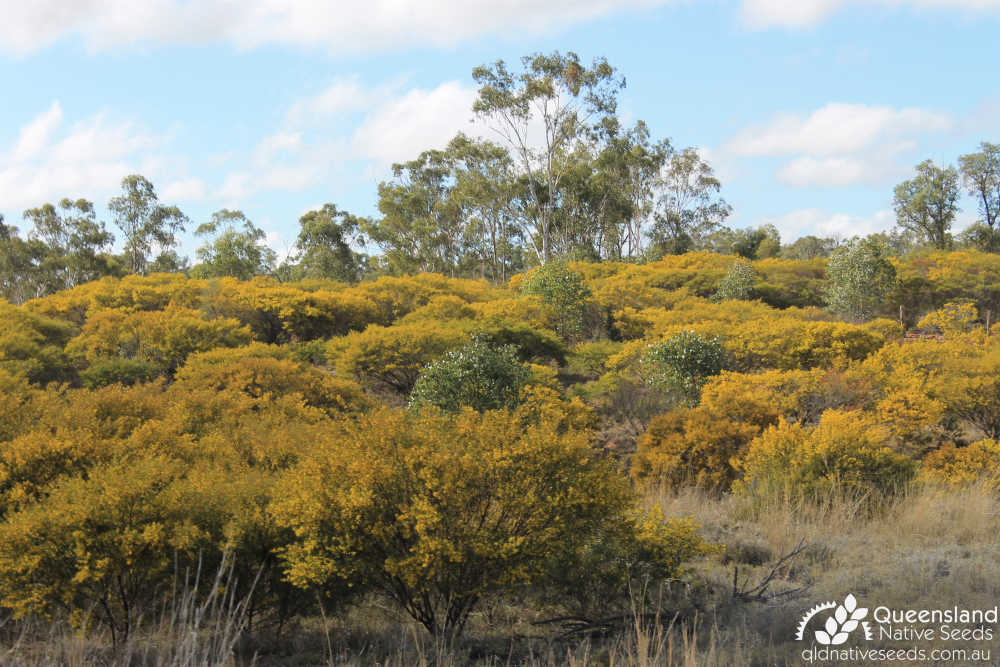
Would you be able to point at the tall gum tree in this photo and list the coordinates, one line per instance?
(146, 224)
(567, 99)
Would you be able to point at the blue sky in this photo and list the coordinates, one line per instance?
(809, 110)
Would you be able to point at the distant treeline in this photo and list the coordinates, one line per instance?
(566, 179)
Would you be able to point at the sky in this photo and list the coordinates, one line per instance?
(810, 111)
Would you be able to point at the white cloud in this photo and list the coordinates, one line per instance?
(35, 135)
(840, 144)
(183, 189)
(836, 128)
(836, 171)
(334, 26)
(49, 160)
(344, 95)
(390, 124)
(359, 27)
(795, 224)
(415, 121)
(784, 14)
(794, 14)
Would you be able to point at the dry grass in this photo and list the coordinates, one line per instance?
(930, 547)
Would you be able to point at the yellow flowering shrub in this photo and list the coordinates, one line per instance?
(396, 297)
(438, 511)
(105, 542)
(32, 344)
(164, 338)
(393, 356)
(265, 379)
(952, 319)
(611, 570)
(959, 466)
(691, 446)
(846, 451)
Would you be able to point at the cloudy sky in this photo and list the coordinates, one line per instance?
(810, 110)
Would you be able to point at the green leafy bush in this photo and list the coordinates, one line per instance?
(738, 283)
(476, 375)
(682, 363)
(565, 293)
(859, 277)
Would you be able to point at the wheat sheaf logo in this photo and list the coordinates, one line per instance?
(845, 619)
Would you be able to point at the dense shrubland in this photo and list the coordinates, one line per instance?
(443, 444)
(497, 419)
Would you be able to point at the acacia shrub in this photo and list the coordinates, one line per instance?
(952, 319)
(393, 356)
(437, 511)
(616, 569)
(162, 338)
(107, 545)
(32, 344)
(265, 378)
(692, 446)
(960, 466)
(845, 452)
(286, 313)
(399, 296)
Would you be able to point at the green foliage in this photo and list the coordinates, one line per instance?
(324, 245)
(566, 295)
(981, 178)
(564, 95)
(147, 225)
(689, 208)
(809, 247)
(682, 363)
(236, 249)
(859, 278)
(926, 204)
(738, 283)
(477, 375)
(75, 244)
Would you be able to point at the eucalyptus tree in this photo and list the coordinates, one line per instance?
(21, 262)
(421, 228)
(490, 195)
(76, 243)
(324, 245)
(981, 178)
(148, 226)
(688, 208)
(234, 247)
(541, 113)
(927, 204)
